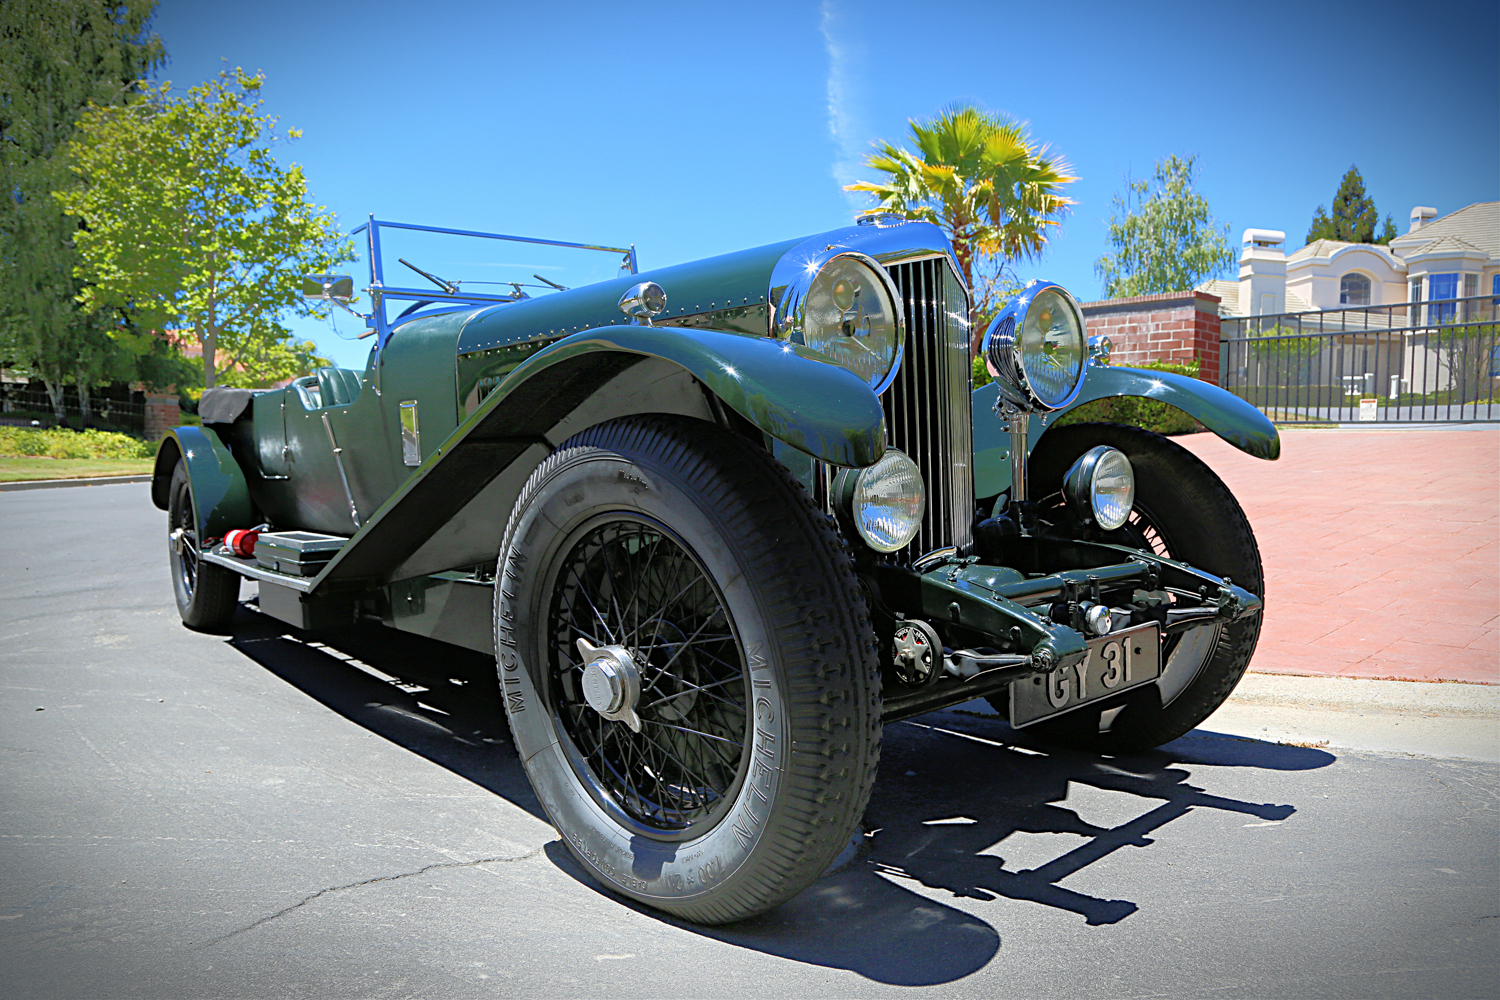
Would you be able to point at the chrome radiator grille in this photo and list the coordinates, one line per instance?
(927, 409)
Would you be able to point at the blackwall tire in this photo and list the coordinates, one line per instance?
(207, 595)
(1185, 511)
(697, 814)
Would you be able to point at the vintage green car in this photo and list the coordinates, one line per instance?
(719, 522)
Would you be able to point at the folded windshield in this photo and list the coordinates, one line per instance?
(420, 268)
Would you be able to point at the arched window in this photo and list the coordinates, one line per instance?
(1354, 290)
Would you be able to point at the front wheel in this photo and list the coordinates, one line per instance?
(1185, 512)
(687, 666)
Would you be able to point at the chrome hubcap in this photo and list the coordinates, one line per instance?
(611, 682)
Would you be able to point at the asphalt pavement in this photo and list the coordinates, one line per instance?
(273, 814)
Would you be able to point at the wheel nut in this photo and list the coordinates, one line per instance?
(601, 685)
(611, 683)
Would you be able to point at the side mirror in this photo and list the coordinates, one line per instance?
(328, 287)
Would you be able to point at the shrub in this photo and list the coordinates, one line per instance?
(59, 442)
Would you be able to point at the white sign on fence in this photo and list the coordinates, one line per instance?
(1367, 409)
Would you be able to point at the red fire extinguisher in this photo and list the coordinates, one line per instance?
(241, 541)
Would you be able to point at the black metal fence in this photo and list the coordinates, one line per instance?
(20, 406)
(1413, 361)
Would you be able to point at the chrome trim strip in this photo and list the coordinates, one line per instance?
(927, 407)
(249, 567)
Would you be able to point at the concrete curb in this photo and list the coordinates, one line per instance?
(1459, 721)
(1381, 425)
(47, 484)
(1474, 701)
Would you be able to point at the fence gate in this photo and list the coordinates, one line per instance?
(1415, 361)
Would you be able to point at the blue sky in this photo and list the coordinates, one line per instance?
(695, 129)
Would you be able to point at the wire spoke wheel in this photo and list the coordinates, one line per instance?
(1183, 656)
(687, 666)
(1185, 512)
(627, 581)
(185, 535)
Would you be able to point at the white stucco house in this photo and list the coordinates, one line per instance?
(1453, 256)
(1355, 331)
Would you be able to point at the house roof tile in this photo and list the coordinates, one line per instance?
(1327, 248)
(1445, 244)
(1478, 225)
(1229, 297)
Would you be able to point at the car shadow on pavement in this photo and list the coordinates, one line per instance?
(956, 789)
(964, 808)
(439, 701)
(970, 806)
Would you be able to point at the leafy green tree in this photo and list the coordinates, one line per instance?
(982, 178)
(1354, 215)
(56, 58)
(1164, 235)
(189, 221)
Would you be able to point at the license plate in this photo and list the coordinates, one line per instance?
(1115, 662)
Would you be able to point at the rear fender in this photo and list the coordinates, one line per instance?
(221, 496)
(1224, 413)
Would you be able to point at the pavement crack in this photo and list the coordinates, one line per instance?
(369, 881)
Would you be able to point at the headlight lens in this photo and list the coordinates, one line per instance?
(1052, 348)
(887, 501)
(1101, 487)
(1036, 348)
(849, 316)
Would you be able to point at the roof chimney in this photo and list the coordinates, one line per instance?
(1419, 217)
(1263, 272)
(1264, 237)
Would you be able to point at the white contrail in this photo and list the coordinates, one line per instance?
(843, 124)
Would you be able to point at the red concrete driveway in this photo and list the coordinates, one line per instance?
(1381, 551)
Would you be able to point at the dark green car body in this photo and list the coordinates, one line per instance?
(492, 389)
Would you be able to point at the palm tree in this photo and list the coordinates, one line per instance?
(981, 178)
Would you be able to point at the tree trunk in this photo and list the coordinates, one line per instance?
(54, 389)
(210, 341)
(81, 380)
(209, 328)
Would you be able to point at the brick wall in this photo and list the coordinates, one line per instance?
(162, 414)
(1172, 326)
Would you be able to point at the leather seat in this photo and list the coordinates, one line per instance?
(338, 386)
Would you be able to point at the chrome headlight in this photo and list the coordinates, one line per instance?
(1100, 487)
(1035, 348)
(846, 308)
(884, 502)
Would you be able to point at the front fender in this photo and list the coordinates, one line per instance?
(1224, 413)
(794, 394)
(221, 495)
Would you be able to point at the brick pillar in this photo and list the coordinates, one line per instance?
(1206, 337)
(162, 414)
(1171, 326)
